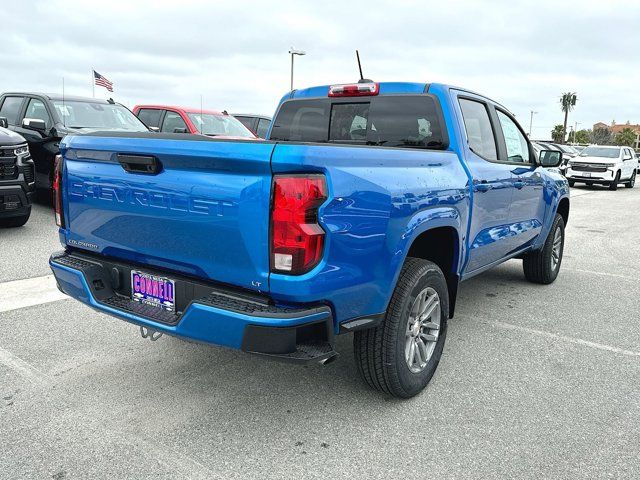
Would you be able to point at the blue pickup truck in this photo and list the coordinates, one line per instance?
(363, 211)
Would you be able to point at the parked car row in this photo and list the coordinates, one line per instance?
(37, 123)
(595, 164)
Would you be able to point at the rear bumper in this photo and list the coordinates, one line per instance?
(297, 334)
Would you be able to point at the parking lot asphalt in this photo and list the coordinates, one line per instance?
(535, 382)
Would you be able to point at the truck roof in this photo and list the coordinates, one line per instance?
(184, 109)
(58, 96)
(386, 88)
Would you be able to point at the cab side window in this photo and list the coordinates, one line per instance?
(516, 143)
(172, 121)
(480, 134)
(150, 117)
(263, 127)
(37, 109)
(11, 109)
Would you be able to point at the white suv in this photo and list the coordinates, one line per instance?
(603, 165)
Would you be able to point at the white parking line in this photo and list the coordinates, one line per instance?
(29, 372)
(29, 292)
(564, 338)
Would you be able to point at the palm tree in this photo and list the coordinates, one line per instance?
(557, 134)
(567, 102)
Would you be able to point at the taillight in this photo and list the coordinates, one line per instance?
(57, 191)
(354, 90)
(297, 240)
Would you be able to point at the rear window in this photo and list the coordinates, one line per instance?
(410, 121)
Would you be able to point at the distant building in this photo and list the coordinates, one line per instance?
(619, 127)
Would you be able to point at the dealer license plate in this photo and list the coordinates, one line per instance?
(153, 290)
(586, 174)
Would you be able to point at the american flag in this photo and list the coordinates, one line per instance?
(102, 81)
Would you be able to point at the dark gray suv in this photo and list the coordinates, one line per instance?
(16, 179)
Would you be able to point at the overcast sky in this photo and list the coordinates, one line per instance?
(234, 53)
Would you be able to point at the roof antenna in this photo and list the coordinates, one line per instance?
(362, 79)
(64, 109)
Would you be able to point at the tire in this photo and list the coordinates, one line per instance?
(14, 221)
(542, 266)
(572, 183)
(614, 185)
(381, 352)
(632, 181)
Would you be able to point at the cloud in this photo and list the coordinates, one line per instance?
(522, 54)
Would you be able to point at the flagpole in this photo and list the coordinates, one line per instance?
(93, 82)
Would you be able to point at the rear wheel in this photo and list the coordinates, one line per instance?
(632, 181)
(614, 185)
(401, 354)
(542, 266)
(572, 183)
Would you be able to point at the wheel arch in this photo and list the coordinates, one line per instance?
(440, 245)
(563, 209)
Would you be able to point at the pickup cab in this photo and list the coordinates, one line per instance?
(361, 213)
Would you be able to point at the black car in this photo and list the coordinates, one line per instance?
(16, 179)
(44, 119)
(258, 124)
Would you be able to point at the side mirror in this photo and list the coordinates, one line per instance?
(180, 130)
(4, 122)
(34, 124)
(550, 158)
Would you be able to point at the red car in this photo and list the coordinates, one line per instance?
(167, 119)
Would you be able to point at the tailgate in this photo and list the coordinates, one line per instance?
(205, 213)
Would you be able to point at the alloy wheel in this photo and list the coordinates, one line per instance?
(423, 329)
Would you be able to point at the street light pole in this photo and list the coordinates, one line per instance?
(531, 122)
(293, 52)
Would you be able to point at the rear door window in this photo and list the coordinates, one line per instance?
(11, 109)
(480, 134)
(408, 121)
(150, 116)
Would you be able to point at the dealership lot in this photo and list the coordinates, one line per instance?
(535, 381)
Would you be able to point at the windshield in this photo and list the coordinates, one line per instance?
(210, 124)
(567, 149)
(113, 117)
(600, 152)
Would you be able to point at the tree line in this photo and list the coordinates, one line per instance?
(601, 136)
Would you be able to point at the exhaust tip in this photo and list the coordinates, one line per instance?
(330, 359)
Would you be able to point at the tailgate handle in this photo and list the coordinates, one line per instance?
(146, 165)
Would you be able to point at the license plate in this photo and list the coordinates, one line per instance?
(153, 290)
(586, 174)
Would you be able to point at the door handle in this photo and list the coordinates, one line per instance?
(518, 184)
(482, 186)
(142, 164)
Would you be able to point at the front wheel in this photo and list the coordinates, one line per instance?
(632, 181)
(400, 355)
(614, 185)
(542, 266)
(572, 183)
